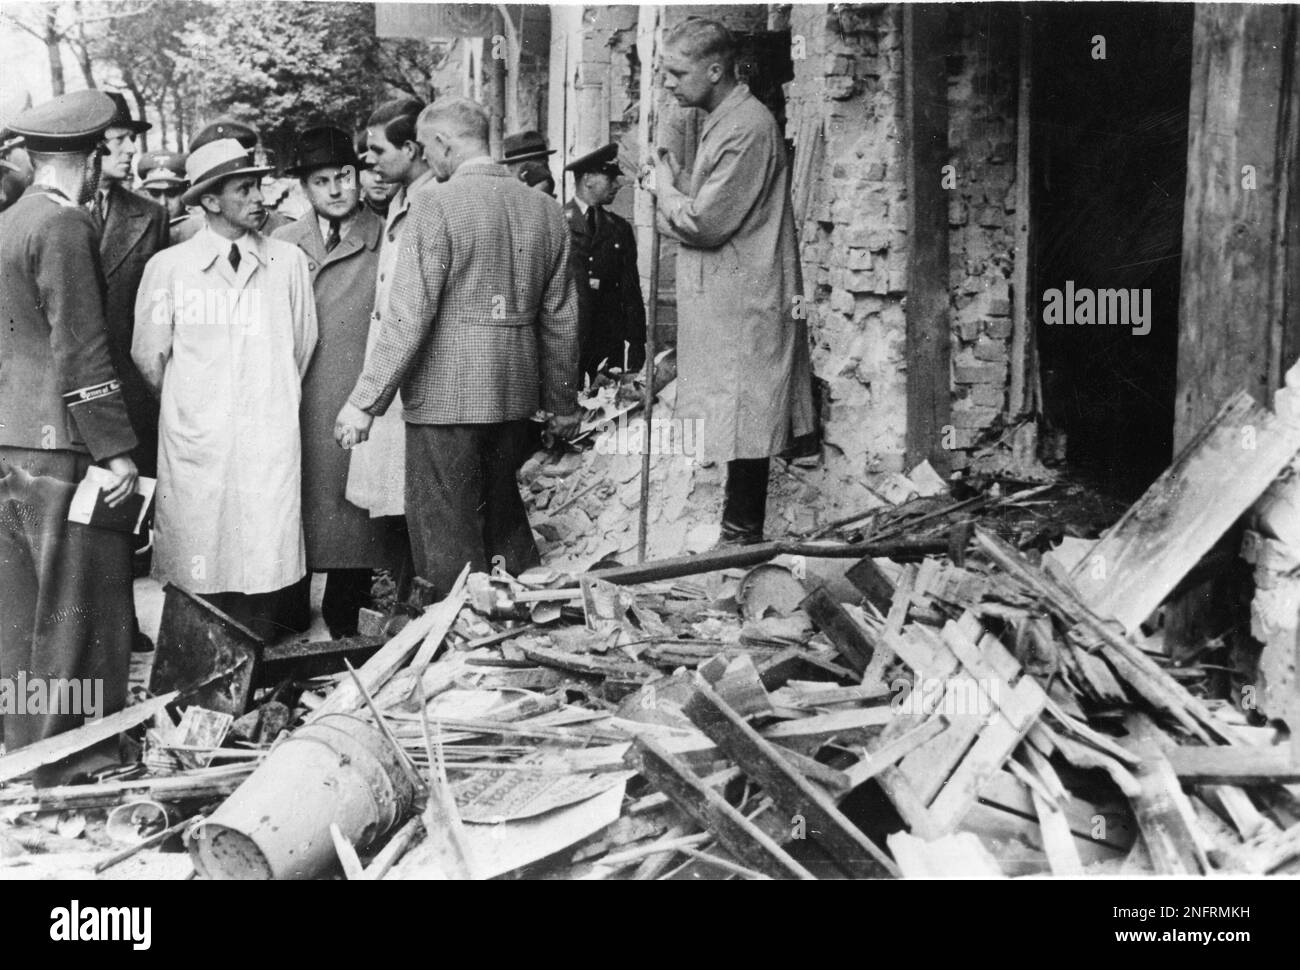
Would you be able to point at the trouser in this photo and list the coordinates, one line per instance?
(66, 611)
(462, 500)
(745, 506)
(346, 592)
(272, 616)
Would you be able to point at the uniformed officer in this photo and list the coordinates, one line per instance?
(162, 178)
(611, 310)
(65, 588)
(248, 139)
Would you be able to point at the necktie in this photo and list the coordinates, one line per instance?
(332, 239)
(591, 219)
(101, 208)
(234, 257)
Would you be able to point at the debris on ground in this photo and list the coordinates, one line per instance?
(951, 684)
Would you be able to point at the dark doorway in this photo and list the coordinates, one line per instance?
(1108, 167)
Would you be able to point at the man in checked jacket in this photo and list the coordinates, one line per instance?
(481, 327)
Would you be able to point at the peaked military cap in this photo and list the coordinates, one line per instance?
(162, 170)
(225, 128)
(601, 160)
(69, 123)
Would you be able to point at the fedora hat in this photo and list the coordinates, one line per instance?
(122, 117)
(320, 148)
(214, 163)
(524, 145)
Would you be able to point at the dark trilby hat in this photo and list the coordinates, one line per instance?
(225, 128)
(321, 147)
(603, 160)
(523, 145)
(69, 123)
(123, 119)
(213, 163)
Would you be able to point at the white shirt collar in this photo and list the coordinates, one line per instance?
(345, 225)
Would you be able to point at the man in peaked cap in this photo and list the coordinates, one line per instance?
(162, 179)
(248, 138)
(225, 326)
(341, 239)
(611, 310)
(65, 588)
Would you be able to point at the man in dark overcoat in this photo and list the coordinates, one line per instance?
(341, 238)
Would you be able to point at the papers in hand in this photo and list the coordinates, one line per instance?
(89, 508)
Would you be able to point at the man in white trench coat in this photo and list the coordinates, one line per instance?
(225, 328)
(743, 365)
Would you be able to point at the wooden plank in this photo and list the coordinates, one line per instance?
(832, 619)
(60, 746)
(925, 135)
(787, 788)
(711, 812)
(1021, 397)
(1164, 814)
(930, 765)
(1141, 672)
(871, 581)
(1058, 842)
(1208, 487)
(392, 656)
(1233, 294)
(987, 755)
(1234, 765)
(893, 751)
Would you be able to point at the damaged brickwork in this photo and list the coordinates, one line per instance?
(844, 114)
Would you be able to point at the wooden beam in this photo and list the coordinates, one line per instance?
(832, 619)
(59, 746)
(1234, 765)
(711, 812)
(1212, 482)
(1234, 267)
(792, 793)
(925, 111)
(1022, 397)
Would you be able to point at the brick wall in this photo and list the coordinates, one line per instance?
(982, 141)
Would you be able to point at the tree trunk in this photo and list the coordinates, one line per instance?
(138, 98)
(54, 52)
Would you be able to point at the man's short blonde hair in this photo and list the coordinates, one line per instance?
(458, 118)
(704, 40)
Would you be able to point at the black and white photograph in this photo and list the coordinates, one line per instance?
(734, 442)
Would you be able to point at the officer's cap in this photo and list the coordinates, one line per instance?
(604, 160)
(69, 123)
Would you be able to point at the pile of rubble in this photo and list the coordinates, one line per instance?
(924, 691)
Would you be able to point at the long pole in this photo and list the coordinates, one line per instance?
(651, 348)
(649, 23)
